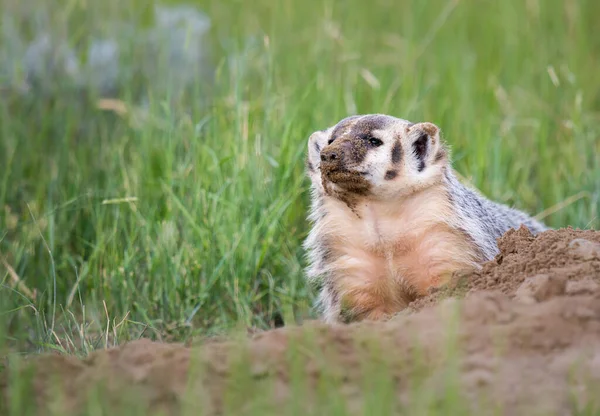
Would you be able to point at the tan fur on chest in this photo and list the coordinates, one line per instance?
(387, 255)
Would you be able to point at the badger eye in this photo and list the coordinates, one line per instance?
(330, 141)
(375, 142)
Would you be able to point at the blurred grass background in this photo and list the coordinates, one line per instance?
(178, 206)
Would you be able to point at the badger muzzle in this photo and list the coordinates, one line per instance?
(340, 162)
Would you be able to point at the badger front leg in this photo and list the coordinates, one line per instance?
(348, 299)
(372, 304)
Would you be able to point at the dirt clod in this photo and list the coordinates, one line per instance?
(540, 287)
(527, 331)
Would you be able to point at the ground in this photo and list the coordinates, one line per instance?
(524, 334)
(152, 186)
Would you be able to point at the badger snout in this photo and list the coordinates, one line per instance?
(335, 156)
(331, 159)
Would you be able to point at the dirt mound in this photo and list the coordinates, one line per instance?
(566, 255)
(553, 263)
(525, 339)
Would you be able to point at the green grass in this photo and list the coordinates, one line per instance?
(188, 219)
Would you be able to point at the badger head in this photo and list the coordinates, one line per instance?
(375, 156)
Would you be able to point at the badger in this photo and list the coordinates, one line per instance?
(389, 220)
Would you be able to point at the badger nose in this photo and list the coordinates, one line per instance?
(329, 155)
(335, 155)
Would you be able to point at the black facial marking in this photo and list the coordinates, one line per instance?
(317, 147)
(365, 126)
(309, 165)
(391, 174)
(420, 150)
(396, 153)
(341, 128)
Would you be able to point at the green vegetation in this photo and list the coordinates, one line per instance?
(185, 215)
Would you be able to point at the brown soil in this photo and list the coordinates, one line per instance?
(528, 339)
(569, 258)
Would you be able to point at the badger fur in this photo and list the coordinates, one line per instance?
(389, 219)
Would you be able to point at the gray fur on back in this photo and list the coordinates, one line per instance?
(484, 220)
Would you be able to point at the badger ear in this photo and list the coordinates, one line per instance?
(316, 142)
(425, 139)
